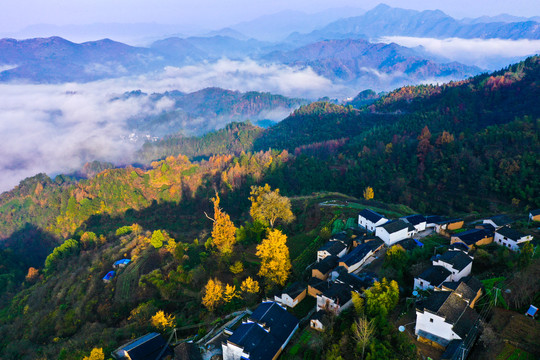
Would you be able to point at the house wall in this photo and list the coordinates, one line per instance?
(316, 324)
(455, 225)
(391, 239)
(368, 225)
(422, 284)
(286, 300)
(435, 325)
(313, 291)
(319, 275)
(321, 254)
(233, 352)
(324, 303)
(456, 275)
(509, 243)
(534, 218)
(357, 265)
(484, 241)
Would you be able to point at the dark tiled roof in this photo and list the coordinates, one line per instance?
(187, 351)
(449, 221)
(358, 282)
(500, 220)
(510, 233)
(321, 285)
(467, 287)
(333, 247)
(452, 350)
(395, 226)
(535, 212)
(360, 252)
(434, 301)
(433, 219)
(414, 219)
(408, 244)
(371, 215)
(470, 237)
(326, 264)
(340, 293)
(458, 259)
(280, 322)
(465, 322)
(255, 341)
(435, 275)
(295, 289)
(146, 347)
(459, 246)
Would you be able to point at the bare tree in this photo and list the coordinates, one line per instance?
(363, 331)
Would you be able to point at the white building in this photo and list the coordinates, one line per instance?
(418, 221)
(457, 262)
(394, 231)
(444, 316)
(432, 277)
(369, 219)
(335, 299)
(263, 336)
(510, 238)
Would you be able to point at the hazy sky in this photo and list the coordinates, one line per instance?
(16, 15)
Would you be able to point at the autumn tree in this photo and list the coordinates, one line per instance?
(32, 274)
(268, 206)
(382, 297)
(363, 330)
(162, 321)
(250, 286)
(237, 267)
(96, 354)
(213, 294)
(358, 302)
(275, 261)
(230, 293)
(223, 230)
(157, 239)
(368, 193)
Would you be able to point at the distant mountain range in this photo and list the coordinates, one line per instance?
(384, 20)
(210, 109)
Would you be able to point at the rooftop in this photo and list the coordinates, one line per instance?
(510, 233)
(470, 237)
(467, 287)
(333, 247)
(435, 275)
(535, 212)
(458, 259)
(360, 252)
(295, 289)
(414, 219)
(371, 215)
(396, 225)
(500, 220)
(326, 264)
(148, 346)
(340, 293)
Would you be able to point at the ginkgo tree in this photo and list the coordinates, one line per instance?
(268, 206)
(275, 261)
(223, 229)
(213, 294)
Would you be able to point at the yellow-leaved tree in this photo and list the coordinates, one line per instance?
(223, 230)
(213, 294)
(275, 261)
(268, 206)
(162, 321)
(250, 286)
(96, 354)
(230, 293)
(368, 193)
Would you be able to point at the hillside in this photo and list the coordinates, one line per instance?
(362, 61)
(436, 149)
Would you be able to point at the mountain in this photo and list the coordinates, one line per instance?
(504, 18)
(210, 109)
(384, 20)
(364, 63)
(275, 27)
(56, 60)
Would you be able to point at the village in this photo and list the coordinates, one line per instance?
(442, 305)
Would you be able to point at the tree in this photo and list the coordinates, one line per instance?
(268, 206)
(382, 297)
(275, 261)
(237, 267)
(250, 286)
(363, 330)
(230, 293)
(526, 254)
(96, 354)
(162, 321)
(157, 239)
(223, 230)
(213, 294)
(358, 303)
(368, 193)
(32, 274)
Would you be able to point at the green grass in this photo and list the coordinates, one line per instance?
(511, 352)
(304, 339)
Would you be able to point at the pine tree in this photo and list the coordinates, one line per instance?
(275, 261)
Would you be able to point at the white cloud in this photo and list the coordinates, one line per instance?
(485, 53)
(57, 128)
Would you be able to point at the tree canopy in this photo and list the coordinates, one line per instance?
(268, 206)
(275, 261)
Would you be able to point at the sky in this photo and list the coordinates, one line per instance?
(212, 14)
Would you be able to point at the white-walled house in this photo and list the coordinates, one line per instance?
(510, 238)
(335, 299)
(263, 336)
(418, 221)
(369, 219)
(331, 248)
(394, 231)
(432, 277)
(498, 221)
(457, 262)
(442, 317)
(292, 295)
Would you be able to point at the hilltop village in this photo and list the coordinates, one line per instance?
(443, 311)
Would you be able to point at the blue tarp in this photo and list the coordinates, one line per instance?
(122, 262)
(418, 242)
(109, 275)
(532, 311)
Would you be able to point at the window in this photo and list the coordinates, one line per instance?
(430, 320)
